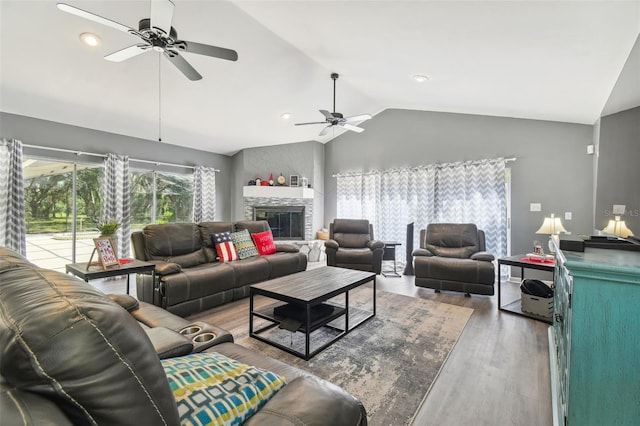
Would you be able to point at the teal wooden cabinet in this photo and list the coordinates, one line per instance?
(594, 343)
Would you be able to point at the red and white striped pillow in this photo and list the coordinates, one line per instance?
(224, 246)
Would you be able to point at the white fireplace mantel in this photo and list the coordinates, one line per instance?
(277, 191)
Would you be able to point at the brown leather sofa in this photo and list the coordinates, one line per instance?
(70, 355)
(452, 256)
(189, 277)
(351, 245)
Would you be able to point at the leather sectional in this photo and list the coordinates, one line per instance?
(69, 354)
(189, 277)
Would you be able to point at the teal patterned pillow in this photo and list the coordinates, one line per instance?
(244, 245)
(212, 389)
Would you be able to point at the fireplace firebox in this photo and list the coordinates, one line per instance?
(286, 222)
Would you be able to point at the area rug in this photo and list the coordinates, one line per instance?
(390, 361)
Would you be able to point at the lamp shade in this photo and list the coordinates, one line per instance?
(617, 227)
(551, 226)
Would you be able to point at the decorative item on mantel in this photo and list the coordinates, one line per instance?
(271, 179)
(305, 182)
(258, 181)
(282, 180)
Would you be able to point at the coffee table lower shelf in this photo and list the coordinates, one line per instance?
(328, 329)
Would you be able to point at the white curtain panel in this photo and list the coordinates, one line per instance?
(116, 199)
(13, 229)
(204, 194)
(465, 192)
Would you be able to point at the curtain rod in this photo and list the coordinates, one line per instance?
(506, 160)
(93, 154)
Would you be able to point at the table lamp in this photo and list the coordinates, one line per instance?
(617, 227)
(551, 226)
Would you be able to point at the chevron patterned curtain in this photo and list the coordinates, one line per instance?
(204, 194)
(116, 199)
(474, 192)
(389, 199)
(469, 192)
(13, 228)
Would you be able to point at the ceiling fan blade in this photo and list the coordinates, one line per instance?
(327, 114)
(314, 122)
(162, 15)
(208, 50)
(95, 18)
(362, 117)
(182, 64)
(351, 127)
(325, 130)
(128, 52)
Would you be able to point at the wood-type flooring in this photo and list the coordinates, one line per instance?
(497, 374)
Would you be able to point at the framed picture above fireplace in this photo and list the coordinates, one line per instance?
(293, 180)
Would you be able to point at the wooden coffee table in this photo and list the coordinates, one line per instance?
(307, 294)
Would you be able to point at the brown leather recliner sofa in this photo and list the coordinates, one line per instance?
(452, 256)
(351, 245)
(189, 277)
(71, 355)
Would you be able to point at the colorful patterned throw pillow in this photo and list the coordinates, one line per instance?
(244, 244)
(224, 246)
(264, 242)
(212, 389)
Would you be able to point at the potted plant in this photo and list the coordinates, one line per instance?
(108, 227)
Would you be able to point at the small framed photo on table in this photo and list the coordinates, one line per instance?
(293, 180)
(106, 253)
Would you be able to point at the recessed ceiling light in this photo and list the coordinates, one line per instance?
(285, 115)
(90, 39)
(421, 78)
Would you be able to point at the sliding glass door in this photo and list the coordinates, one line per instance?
(62, 203)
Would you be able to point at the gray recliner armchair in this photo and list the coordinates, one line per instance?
(452, 256)
(351, 245)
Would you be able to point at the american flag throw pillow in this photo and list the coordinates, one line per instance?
(224, 247)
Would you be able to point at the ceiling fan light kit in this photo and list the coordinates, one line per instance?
(337, 119)
(157, 34)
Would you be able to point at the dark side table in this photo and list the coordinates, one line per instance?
(390, 254)
(81, 271)
(523, 263)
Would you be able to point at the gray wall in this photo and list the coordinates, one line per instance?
(619, 168)
(552, 166)
(34, 131)
(305, 159)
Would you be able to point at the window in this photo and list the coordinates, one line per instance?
(159, 197)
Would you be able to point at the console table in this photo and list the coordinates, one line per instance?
(523, 263)
(594, 341)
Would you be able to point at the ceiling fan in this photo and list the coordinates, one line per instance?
(157, 34)
(336, 118)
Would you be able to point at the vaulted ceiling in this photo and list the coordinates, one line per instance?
(541, 60)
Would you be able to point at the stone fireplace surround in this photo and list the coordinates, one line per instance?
(307, 203)
(283, 196)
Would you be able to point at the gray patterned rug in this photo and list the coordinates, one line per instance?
(389, 362)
